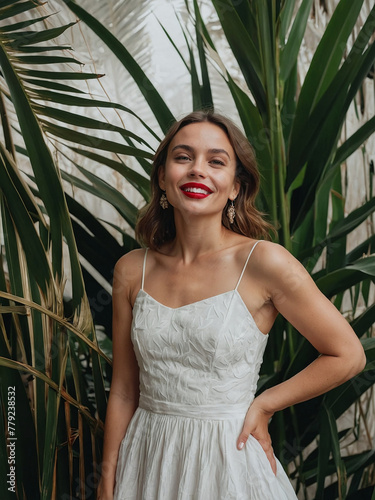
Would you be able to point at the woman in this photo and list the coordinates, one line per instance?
(191, 317)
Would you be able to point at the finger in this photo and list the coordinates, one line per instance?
(242, 440)
(265, 444)
(271, 458)
(243, 437)
(273, 464)
(268, 450)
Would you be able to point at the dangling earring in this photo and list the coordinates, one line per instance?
(231, 212)
(164, 201)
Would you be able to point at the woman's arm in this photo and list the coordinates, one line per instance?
(295, 295)
(297, 298)
(124, 393)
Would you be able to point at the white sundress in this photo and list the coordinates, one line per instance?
(199, 366)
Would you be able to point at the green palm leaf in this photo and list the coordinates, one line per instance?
(153, 98)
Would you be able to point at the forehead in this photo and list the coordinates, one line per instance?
(203, 135)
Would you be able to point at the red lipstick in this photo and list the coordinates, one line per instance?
(195, 190)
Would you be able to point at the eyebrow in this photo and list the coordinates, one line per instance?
(211, 151)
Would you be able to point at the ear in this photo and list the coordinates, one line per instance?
(161, 177)
(235, 190)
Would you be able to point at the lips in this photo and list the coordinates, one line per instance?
(195, 190)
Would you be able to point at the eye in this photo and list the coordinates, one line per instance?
(182, 157)
(217, 162)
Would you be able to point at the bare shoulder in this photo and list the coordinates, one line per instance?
(274, 258)
(130, 260)
(127, 273)
(277, 267)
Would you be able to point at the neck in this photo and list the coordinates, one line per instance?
(196, 236)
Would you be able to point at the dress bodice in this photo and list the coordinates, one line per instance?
(205, 354)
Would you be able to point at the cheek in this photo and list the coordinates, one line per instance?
(173, 174)
(228, 181)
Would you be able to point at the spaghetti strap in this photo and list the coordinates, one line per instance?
(144, 269)
(247, 260)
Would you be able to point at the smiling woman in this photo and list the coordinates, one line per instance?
(156, 225)
(191, 316)
(194, 170)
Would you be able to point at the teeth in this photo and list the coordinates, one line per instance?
(195, 190)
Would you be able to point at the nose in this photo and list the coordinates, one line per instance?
(198, 168)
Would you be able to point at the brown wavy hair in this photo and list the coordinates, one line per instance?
(156, 225)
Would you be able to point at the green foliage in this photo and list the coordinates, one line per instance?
(49, 350)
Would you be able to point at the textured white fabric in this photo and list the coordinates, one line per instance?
(199, 367)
